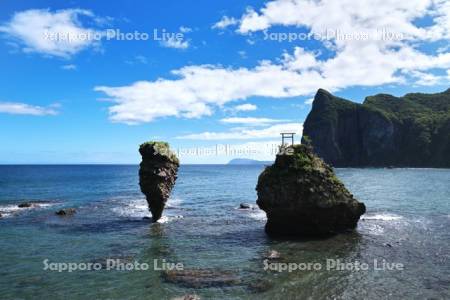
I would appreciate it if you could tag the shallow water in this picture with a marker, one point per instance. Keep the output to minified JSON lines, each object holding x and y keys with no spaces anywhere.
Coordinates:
{"x":407,"y":223}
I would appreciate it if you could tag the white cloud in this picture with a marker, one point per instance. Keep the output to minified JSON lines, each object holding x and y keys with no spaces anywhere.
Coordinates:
{"x":245,"y":107}
{"x":16,"y":108}
{"x":175,"y":43}
{"x":69,"y":67}
{"x":225,"y":22}
{"x":426,"y":79}
{"x":350,"y":65}
{"x":247,"y":133}
{"x":58,"y":33}
{"x":223,"y":153}
{"x":184,"y":29}
{"x":309,"y":101}
{"x":138,"y":59}
{"x":250,"y":121}
{"x":198,"y":89}
{"x":242,"y":54}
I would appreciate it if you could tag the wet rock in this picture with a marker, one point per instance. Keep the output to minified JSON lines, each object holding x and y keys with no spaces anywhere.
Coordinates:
{"x":260,"y":286}
{"x":244,"y":206}
{"x":25,"y":205}
{"x":187,"y":297}
{"x":1,"y":215}
{"x":66,"y":212}
{"x":157,"y":175}
{"x":302,"y":196}
{"x":201,"y":278}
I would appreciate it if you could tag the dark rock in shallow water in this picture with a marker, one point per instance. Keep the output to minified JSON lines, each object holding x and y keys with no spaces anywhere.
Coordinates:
{"x":25,"y":205}
{"x":244,"y":206}
{"x":157,"y":175}
{"x":302,"y":196}
{"x":66,"y":212}
{"x":260,"y":286}
{"x":199,"y":278}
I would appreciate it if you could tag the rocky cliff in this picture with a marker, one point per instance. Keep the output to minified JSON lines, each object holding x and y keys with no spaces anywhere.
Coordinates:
{"x":157,"y":175}
{"x":302,"y":196}
{"x":408,"y":131}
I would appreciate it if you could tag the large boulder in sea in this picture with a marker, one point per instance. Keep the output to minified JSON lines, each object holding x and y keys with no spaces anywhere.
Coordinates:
{"x":302,"y":196}
{"x":157,"y":175}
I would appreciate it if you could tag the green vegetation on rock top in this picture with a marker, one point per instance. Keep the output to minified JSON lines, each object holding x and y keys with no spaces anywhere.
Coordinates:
{"x":161,"y":148}
{"x":408,"y":131}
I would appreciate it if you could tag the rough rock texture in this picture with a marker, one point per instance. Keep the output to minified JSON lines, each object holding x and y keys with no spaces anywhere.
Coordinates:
{"x":201,"y":278}
{"x":410,"y":131}
{"x":157,"y":175}
{"x":302,"y":196}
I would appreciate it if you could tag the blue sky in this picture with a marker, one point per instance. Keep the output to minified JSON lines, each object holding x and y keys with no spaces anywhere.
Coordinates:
{"x":229,"y":80}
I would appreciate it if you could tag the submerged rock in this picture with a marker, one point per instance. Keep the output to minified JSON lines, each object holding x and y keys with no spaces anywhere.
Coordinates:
{"x":187,"y":297}
{"x":301,"y":196}
{"x":260,"y":286}
{"x":244,"y":206}
{"x":66,"y":212}
{"x":157,"y":175}
{"x":199,"y":278}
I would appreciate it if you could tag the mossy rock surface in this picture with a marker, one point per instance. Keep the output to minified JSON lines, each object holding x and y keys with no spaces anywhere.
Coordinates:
{"x":302,"y":196}
{"x":383,"y":131}
{"x":157,"y":175}
{"x":154,"y":149}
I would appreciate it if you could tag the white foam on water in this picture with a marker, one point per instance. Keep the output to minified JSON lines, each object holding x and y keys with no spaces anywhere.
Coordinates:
{"x":167,"y":219}
{"x":132,"y":208}
{"x":257,"y":214}
{"x":174,"y":201}
{"x":382,"y":217}
{"x":138,"y":208}
{"x":10,"y":209}
{"x":373,"y":229}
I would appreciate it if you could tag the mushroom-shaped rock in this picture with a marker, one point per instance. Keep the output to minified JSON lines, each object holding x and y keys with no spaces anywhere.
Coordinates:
{"x":302,"y":196}
{"x":157,"y":175}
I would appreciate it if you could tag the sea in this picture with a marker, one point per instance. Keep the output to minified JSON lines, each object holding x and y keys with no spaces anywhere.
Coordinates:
{"x":109,"y":250}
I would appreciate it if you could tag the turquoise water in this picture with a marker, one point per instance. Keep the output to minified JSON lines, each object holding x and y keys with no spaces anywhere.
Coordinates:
{"x":407,"y":222}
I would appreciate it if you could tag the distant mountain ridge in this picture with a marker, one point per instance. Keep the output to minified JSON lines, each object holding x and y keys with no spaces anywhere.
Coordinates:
{"x":408,"y":131}
{"x":246,"y":161}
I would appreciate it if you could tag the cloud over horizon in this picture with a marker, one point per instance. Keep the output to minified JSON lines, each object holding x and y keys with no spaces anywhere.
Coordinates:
{"x":246,"y":133}
{"x":198,"y":90}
